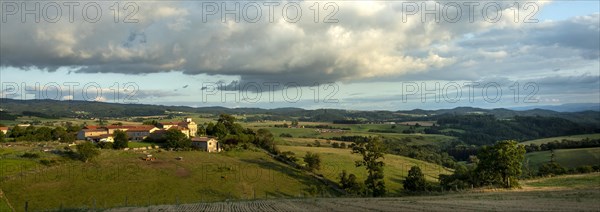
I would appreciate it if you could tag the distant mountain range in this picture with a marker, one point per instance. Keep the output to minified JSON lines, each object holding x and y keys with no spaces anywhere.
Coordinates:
{"x":573,"y":107}
{"x":86,"y":109}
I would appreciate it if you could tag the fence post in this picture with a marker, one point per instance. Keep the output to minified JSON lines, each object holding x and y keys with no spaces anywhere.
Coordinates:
{"x":26,"y":206}
{"x":125,"y":201}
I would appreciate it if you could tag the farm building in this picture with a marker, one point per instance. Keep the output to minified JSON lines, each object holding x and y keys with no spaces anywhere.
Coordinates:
{"x":4,"y":130}
{"x":207,"y":144}
{"x":139,"y":132}
{"x":101,"y":138}
{"x":187,"y":126}
{"x":85,"y":133}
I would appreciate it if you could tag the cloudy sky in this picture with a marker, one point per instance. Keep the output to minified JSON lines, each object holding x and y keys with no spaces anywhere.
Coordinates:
{"x":364,"y":55}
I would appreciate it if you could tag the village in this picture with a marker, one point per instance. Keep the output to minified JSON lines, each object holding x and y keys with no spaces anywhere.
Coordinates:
{"x":140,"y":133}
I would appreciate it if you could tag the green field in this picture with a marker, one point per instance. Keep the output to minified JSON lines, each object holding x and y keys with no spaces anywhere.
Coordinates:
{"x":567,"y":181}
{"x":307,"y":133}
{"x":569,"y":158}
{"x":559,"y":195}
{"x":572,"y":137}
{"x":396,"y":167}
{"x":119,"y":178}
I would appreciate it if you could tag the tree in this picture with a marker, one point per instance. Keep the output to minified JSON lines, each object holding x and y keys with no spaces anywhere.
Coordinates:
{"x":176,"y":139}
{"x":349,"y":184}
{"x":220,"y":130}
{"x":231,"y":127}
{"x":151,"y":122}
{"x":372,"y":150}
{"x":501,"y":163}
{"x":2,"y":137}
{"x":313,"y":161}
{"x":201,"y":130}
{"x":87,"y":151}
{"x":551,"y":168}
{"x":121,"y":140}
{"x":43,"y":134}
{"x":294,"y":123}
{"x":343,"y":145}
{"x":16,"y":132}
{"x":265,"y":140}
{"x":415,"y":181}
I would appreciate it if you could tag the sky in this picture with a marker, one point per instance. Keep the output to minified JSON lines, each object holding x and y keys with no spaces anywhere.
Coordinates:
{"x":355,"y":55}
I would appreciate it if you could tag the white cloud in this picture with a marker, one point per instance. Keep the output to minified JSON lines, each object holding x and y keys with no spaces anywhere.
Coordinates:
{"x":370,"y":42}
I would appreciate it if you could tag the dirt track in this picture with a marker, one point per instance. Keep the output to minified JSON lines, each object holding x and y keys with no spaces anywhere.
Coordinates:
{"x":542,"y":200}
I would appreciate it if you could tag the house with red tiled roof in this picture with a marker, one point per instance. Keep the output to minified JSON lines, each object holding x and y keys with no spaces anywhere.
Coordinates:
{"x":4,"y":130}
{"x":183,"y":130}
{"x":140,"y":133}
{"x":187,"y":123}
{"x":91,"y":127}
{"x":101,"y":138}
{"x":85,"y":133}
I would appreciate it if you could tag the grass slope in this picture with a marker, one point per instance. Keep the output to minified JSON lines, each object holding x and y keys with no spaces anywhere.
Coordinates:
{"x":566,"y":181}
{"x":569,"y":158}
{"x":526,"y":199}
{"x":572,"y":137}
{"x":333,"y":161}
{"x":119,"y":178}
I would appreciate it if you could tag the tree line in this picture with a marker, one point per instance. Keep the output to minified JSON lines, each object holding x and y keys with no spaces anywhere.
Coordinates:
{"x":487,"y":129}
{"x":563,"y":144}
{"x":63,"y":134}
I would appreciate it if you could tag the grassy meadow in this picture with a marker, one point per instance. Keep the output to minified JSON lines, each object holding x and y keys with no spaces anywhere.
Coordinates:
{"x":334,"y":160}
{"x":568,"y":158}
{"x":119,"y":178}
{"x":572,"y":137}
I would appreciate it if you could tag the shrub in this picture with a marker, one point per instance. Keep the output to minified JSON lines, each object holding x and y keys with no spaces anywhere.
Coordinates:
{"x":286,"y":135}
{"x":47,"y":162}
{"x":551,"y":168}
{"x":313,"y":161}
{"x":343,"y":145}
{"x":30,"y":155}
{"x":585,"y":169}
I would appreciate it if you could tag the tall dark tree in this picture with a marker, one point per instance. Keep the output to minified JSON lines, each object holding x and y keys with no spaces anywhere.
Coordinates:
{"x":372,"y":151}
{"x":501,"y":163}
{"x":415,"y":181}
{"x":349,"y":184}
{"x":2,"y":139}
{"x":265,"y":140}
{"x":313,"y":161}
{"x":121,"y":140}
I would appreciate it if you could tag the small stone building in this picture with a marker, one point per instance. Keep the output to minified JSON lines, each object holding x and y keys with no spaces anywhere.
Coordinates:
{"x":207,"y":144}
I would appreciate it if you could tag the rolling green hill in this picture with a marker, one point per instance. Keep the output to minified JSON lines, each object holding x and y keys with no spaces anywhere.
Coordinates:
{"x":54,"y":108}
{"x":560,"y":138}
{"x":118,"y":178}
{"x":334,"y":160}
{"x":569,"y":158}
